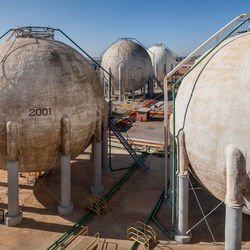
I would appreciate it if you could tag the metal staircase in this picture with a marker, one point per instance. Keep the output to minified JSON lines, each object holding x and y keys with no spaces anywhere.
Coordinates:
{"x":131,"y":151}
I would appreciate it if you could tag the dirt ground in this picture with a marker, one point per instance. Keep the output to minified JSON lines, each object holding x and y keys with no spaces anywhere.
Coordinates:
{"x":42,"y":225}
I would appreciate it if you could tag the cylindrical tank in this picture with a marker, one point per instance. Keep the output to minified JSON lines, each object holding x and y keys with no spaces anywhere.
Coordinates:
{"x":212,"y":108}
{"x":135,"y":63}
{"x":41,"y":81}
{"x":163,"y":60}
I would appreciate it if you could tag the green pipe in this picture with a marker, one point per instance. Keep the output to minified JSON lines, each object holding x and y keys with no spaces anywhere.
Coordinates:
{"x":133,"y":167}
{"x":71,"y":231}
{"x":173,"y":97}
{"x":86,"y":219}
{"x":155,"y":207}
{"x":150,"y":215}
{"x":117,"y":187}
{"x":162,"y":228}
{"x":89,"y":214}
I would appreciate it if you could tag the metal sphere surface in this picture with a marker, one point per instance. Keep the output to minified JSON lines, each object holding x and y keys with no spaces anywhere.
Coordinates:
{"x":212,"y":108}
{"x":163,"y":60}
{"x":41,"y":81}
{"x":134,"y":61}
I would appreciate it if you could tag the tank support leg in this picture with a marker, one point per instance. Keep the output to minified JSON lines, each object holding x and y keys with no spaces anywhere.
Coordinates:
{"x":92,"y":152}
{"x":103,"y":85}
{"x":105,"y":158}
{"x":170,"y":171}
{"x":97,"y":186}
{"x":120,"y":83}
{"x":144,"y":88}
{"x":133,"y":87}
{"x":65,"y":206}
{"x":14,"y":216}
{"x":236,"y":174}
{"x":151,"y":87}
{"x":181,"y":235}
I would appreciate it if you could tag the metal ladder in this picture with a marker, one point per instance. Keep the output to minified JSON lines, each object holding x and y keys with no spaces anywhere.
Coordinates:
{"x":131,"y":151}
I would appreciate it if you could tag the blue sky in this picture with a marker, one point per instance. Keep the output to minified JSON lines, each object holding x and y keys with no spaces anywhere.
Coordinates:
{"x":94,"y":24}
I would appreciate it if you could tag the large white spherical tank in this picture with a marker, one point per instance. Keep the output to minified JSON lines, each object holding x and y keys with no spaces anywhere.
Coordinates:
{"x":162,"y":59}
{"x":135,"y":63}
{"x":212,"y":108}
{"x":41,"y":81}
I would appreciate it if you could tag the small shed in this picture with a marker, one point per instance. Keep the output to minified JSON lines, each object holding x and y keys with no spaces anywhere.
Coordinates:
{"x":142,"y":114}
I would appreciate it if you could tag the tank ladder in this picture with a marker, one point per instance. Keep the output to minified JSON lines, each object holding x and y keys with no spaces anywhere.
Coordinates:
{"x":131,"y":151}
{"x":142,"y":233}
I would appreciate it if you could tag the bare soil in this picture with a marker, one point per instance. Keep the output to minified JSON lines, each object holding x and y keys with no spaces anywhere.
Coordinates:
{"x":42,"y":225}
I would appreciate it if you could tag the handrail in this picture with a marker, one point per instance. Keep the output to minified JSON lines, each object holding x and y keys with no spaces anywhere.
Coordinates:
{"x":205,"y":43}
{"x":144,"y":226}
{"x":97,"y":204}
{"x":6,"y":33}
{"x":85,"y":231}
{"x":63,"y":33}
{"x":96,"y":240}
{"x":173,"y":97}
{"x":139,"y":236}
{"x":90,"y":214}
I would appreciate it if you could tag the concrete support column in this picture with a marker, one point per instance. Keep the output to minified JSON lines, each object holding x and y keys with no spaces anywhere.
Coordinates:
{"x":170,"y":171}
{"x":236,"y":183}
{"x":181,"y":235}
{"x":92,"y":152}
{"x":182,"y":209}
{"x":144,"y":88}
{"x":105,"y":158}
{"x":109,"y":86}
{"x":97,"y":186}
{"x":65,"y":206}
{"x":14,"y":216}
{"x":133,"y":85}
{"x":233,"y":228}
{"x":102,"y":80}
{"x":156,"y":71}
{"x":103,"y":84}
{"x":166,"y":135}
{"x":150,"y":87}
{"x":120,"y":82}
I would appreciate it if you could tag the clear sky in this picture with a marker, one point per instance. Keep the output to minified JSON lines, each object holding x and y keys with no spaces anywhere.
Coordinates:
{"x":94,"y":24}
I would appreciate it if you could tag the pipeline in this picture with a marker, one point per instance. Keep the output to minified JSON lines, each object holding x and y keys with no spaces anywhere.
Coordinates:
{"x":152,"y":215}
{"x":90,"y":214}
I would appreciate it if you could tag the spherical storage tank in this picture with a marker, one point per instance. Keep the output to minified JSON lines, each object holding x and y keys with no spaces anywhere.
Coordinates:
{"x":163,"y":60}
{"x":135,"y":63}
{"x":212,"y":108}
{"x":41,"y":81}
